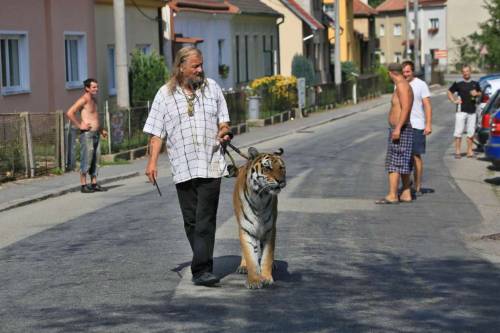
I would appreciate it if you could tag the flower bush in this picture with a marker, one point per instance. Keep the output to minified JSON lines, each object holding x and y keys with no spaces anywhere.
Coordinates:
{"x":278,"y":92}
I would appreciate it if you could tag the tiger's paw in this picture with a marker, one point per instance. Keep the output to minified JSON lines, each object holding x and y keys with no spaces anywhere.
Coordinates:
{"x":254,"y":284}
{"x":242,"y":270}
{"x":266,"y":282}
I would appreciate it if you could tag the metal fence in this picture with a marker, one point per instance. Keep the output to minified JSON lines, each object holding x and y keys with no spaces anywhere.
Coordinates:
{"x":31,"y":144}
{"x":34,"y":144}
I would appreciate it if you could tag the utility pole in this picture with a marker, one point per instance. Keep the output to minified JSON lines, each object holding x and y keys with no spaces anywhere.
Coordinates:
{"x":338,"y":77}
{"x":417,"y":38}
{"x":408,"y":29}
{"x":122,"y":93}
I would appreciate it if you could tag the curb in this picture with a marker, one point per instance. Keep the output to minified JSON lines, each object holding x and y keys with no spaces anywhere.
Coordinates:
{"x":60,"y":192}
{"x":72,"y":188}
{"x":319,"y":123}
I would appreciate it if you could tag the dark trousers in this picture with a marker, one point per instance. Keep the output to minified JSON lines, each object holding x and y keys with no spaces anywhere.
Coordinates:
{"x":199,"y":199}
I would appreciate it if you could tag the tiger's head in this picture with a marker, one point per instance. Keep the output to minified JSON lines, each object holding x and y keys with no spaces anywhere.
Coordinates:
{"x":267,"y":172}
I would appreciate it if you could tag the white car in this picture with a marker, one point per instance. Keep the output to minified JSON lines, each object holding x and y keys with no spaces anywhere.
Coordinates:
{"x":490,"y":87}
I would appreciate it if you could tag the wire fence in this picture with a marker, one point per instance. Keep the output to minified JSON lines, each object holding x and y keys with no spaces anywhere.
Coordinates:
{"x":12,"y":156}
{"x":35,"y":144}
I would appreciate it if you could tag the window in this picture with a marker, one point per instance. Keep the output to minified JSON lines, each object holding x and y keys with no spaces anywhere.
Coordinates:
{"x":220,"y":45}
{"x":75,"y":48}
{"x":111,"y":70}
{"x":329,"y":9}
{"x":14,"y":62}
{"x":382,"y":57}
{"x":398,"y":57}
{"x":397,"y":29}
{"x":246,"y":59}
{"x":144,"y":48}
{"x":238,"y":78}
{"x":382,"y":30}
{"x":434,"y":23}
{"x":268,"y":55}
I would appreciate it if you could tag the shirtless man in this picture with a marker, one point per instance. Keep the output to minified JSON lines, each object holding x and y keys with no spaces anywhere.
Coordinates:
{"x":89,"y":135}
{"x":398,"y":161}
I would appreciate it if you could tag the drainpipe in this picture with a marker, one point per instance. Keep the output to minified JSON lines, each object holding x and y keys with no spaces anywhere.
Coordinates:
{"x":278,"y":64}
{"x":338,"y":77}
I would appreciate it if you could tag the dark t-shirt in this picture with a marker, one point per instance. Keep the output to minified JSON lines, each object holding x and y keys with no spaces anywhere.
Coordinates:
{"x":463,"y":89}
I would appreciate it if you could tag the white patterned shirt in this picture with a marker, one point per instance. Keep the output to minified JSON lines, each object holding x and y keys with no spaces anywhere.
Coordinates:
{"x":192,"y":145}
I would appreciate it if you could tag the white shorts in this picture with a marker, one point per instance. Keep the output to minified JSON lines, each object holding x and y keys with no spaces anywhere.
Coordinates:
{"x":467,"y":121}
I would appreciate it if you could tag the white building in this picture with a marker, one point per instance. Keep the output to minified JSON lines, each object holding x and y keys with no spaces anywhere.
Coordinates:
{"x":238,"y":38}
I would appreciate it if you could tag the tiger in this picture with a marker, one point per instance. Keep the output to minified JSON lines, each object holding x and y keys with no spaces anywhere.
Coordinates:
{"x":255,"y":200}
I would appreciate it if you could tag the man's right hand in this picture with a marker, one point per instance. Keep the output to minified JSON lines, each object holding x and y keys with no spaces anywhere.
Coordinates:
{"x":151,"y":171}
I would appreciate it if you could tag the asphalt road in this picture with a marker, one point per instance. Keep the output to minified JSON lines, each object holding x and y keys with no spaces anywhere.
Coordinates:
{"x":118,"y":261}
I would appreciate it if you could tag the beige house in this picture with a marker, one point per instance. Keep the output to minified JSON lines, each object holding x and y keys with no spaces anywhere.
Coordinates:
{"x":303,"y":33}
{"x":290,"y":35}
{"x":390,"y":26}
{"x":460,"y":25}
{"x":364,"y":26}
{"x":144,"y":32}
{"x":47,"y":50}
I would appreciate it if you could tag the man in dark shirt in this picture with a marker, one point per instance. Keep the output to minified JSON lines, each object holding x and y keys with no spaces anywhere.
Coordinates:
{"x":464,"y":94}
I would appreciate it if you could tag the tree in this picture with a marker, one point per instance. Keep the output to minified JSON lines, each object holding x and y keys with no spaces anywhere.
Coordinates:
{"x":302,"y":67}
{"x":489,"y":35}
{"x":147,"y":74}
{"x":375,"y":3}
{"x":468,"y":53}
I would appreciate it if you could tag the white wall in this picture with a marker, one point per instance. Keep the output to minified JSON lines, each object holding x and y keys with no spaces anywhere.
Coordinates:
{"x":438,"y":40}
{"x":211,"y":28}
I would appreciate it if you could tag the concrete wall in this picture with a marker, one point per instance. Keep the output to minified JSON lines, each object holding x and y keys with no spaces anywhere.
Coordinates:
{"x":463,"y":18}
{"x":140,"y":31}
{"x":290,"y":35}
{"x":45,"y":23}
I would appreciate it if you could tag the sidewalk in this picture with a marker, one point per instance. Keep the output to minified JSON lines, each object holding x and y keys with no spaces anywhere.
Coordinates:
{"x":26,"y":191}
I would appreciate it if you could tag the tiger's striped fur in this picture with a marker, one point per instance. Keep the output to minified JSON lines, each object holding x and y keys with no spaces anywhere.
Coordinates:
{"x":255,"y":200}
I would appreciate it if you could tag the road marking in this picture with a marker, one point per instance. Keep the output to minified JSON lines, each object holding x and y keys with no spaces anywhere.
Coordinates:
{"x":228,"y":230}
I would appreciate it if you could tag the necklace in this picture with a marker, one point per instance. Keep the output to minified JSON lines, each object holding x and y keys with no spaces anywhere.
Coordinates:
{"x":190,"y":102}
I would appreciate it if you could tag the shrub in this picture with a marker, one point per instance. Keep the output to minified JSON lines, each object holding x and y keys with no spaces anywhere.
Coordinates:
{"x":385,"y":80}
{"x":302,"y":67}
{"x":347,"y":69}
{"x":147,"y":74}
{"x":278,"y":92}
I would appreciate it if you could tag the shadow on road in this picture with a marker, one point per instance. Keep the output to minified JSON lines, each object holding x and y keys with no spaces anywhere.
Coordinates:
{"x":493,"y":181}
{"x":383,"y":293}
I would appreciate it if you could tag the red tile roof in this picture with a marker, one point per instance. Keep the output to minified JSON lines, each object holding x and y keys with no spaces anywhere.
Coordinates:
{"x":391,"y":6}
{"x":398,"y":5}
{"x":223,"y":6}
{"x":210,"y":6}
{"x":362,"y":9}
{"x":304,"y":15}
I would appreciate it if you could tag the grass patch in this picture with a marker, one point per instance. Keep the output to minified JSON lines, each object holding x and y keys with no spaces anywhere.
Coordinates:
{"x":118,"y":161}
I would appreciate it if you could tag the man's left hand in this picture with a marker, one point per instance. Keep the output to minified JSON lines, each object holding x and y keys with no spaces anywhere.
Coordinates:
{"x":224,"y":136}
{"x":427,"y":130}
{"x":104,"y":133}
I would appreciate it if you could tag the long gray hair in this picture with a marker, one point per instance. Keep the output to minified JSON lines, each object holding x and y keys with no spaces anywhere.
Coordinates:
{"x":177,"y":77}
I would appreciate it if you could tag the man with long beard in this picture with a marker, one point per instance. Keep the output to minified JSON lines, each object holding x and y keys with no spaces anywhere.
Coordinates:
{"x":191,"y":113}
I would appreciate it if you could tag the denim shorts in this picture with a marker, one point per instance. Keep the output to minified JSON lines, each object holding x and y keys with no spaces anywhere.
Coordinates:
{"x":418,"y":142}
{"x":90,"y":152}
